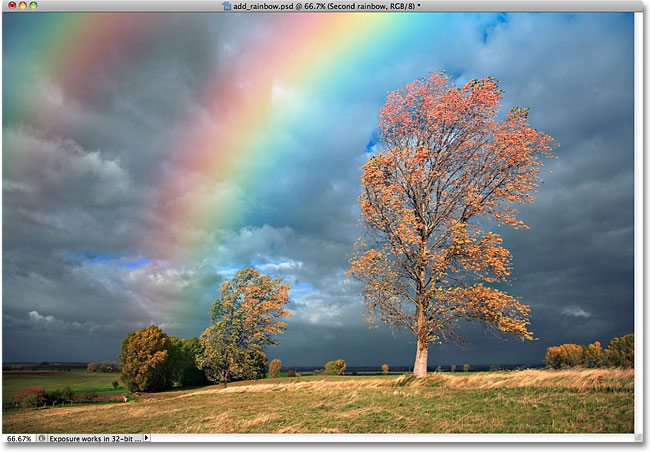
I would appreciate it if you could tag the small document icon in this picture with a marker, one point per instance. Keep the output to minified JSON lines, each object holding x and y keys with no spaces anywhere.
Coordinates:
{"x":226,"y":6}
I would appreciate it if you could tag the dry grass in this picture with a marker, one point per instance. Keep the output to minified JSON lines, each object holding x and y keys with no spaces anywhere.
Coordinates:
{"x":579,"y":379}
{"x":293,"y":385}
{"x":590,"y":401}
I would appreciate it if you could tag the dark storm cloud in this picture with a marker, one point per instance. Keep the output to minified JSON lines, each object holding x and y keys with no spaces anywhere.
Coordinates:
{"x":87,"y":184}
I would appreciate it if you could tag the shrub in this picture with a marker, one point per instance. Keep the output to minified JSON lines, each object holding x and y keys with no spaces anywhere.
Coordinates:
{"x":67,"y":395}
{"x":93,"y":367}
{"x":33,"y":400}
{"x":453,"y":367}
{"x":317,"y":372}
{"x":566,"y":355}
{"x":291,"y":373}
{"x":274,"y":368}
{"x":438,"y":369}
{"x":54,"y":397}
{"x":335,"y":367}
{"x":115,"y":384}
{"x":465,"y":367}
{"x":553,"y":357}
{"x":90,"y":397}
{"x":384,"y":369}
{"x":574,"y":355}
{"x":494,"y":368}
{"x":594,"y":355}
{"x":620,"y":352}
{"x":31,"y":397}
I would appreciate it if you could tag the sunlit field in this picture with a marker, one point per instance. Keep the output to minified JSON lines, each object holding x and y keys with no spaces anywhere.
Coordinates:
{"x":529,"y":401}
{"x":81,"y":382}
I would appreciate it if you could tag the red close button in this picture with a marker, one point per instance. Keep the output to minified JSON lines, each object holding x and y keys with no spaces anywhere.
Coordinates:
{"x":12,"y":5}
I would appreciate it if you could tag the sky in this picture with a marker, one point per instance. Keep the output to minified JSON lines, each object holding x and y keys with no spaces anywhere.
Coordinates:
{"x":148,"y":157}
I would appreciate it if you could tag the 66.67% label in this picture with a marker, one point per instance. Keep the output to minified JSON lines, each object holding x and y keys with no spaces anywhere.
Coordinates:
{"x":19,"y":438}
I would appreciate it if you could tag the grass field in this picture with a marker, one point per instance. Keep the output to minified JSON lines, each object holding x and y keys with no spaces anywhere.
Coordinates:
{"x":531,"y":401}
{"x":80,"y":381}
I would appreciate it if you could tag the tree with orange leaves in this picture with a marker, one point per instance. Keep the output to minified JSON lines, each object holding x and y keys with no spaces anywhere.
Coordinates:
{"x":447,"y":166}
{"x":245,"y":318}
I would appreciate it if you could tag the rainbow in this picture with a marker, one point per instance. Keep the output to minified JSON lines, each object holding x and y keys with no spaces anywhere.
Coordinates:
{"x":309,"y":52}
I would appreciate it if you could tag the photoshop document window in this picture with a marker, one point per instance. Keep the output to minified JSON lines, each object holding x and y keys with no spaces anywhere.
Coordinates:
{"x":347,"y":221}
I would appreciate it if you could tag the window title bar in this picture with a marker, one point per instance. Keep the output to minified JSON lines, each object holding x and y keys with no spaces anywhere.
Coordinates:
{"x":27,"y":7}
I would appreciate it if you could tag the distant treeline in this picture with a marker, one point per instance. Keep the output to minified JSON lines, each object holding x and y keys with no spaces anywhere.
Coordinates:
{"x":61,"y":366}
{"x":306,"y":370}
{"x":105,"y":366}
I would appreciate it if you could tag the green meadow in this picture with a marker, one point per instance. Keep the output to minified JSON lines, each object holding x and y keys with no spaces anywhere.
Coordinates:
{"x":81,"y":382}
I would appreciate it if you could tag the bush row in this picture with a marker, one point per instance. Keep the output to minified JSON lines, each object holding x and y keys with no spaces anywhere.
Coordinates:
{"x":105,"y":366}
{"x":619,"y":353}
{"x":466,"y":368}
{"x":37,"y":396}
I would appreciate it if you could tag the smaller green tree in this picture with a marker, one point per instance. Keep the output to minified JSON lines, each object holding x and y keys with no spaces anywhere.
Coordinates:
{"x":453,"y":367}
{"x":384,"y":369}
{"x":250,"y":309}
{"x":465,"y":367}
{"x":244,"y":320}
{"x":336,"y":367}
{"x":274,"y":368}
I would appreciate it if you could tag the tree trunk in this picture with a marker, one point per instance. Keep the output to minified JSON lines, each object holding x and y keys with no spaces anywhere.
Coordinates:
{"x":421,"y":359}
{"x":422,"y":354}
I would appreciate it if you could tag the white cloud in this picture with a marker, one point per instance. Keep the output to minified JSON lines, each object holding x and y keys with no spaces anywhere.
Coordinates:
{"x":576,"y":311}
{"x":280,"y":267}
{"x":37,"y":321}
{"x":62,"y":171}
